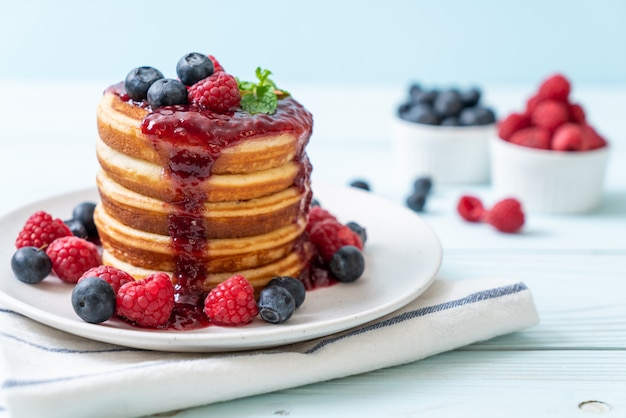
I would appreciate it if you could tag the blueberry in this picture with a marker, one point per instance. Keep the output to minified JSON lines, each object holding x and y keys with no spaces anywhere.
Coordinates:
{"x":293,"y":285}
{"x":194,"y":67}
{"x":360,"y":184}
{"x":139,"y":80}
{"x":83,"y":213}
{"x":470,"y":97}
{"x":276,"y":304}
{"x":167,"y":92}
{"x":77,"y":228}
{"x":347,"y":264}
{"x":451,"y":121}
{"x":415,"y":89}
{"x":31,"y":265}
{"x":93,"y":300}
{"x":421,"y":114}
{"x":448,"y":103}
{"x":423,"y":184}
{"x":426,"y":97}
{"x":359,"y":230}
{"x":416,"y":201}
{"x":315,"y":202}
{"x":473,"y":116}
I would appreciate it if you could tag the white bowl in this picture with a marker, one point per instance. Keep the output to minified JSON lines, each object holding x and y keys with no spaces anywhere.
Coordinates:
{"x":448,"y":154}
{"x":547,"y":181}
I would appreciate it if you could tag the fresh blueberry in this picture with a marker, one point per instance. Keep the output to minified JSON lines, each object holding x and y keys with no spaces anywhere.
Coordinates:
{"x":415,"y":89}
{"x":416,"y":201}
{"x":83,"y":213}
{"x":423,"y":184}
{"x":421,"y":114}
{"x":347,"y":264}
{"x":315,"y":202}
{"x":276,"y":304}
{"x":139,"y":80}
{"x":470,"y":97}
{"x":77,"y":228}
{"x":359,"y":230}
{"x":93,"y":300}
{"x":448,"y":103}
{"x":167,"y":92}
{"x":31,"y":265}
{"x":293,"y":285}
{"x":194,"y":67}
{"x":478,"y":115}
{"x":426,"y":97}
{"x":360,"y":184}
{"x":451,"y":121}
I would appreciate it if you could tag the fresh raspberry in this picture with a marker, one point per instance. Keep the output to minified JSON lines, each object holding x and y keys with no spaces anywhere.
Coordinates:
{"x":40,"y":230}
{"x":216,"y":65}
{"x":556,"y":87}
{"x":218,"y":92}
{"x":577,"y":113}
{"x":72,"y":256}
{"x":532,"y":103}
{"x":114,"y":276}
{"x":231,"y":302}
{"x":506,"y":216}
{"x":593,"y":138}
{"x":569,"y":137}
{"x":512,"y":123}
{"x":329,"y":235}
{"x":550,"y":114}
{"x":318,"y":214}
{"x":533,"y":137}
{"x":470,"y":208}
{"x":148,"y":302}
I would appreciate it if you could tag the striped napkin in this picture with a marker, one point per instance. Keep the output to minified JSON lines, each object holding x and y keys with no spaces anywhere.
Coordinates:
{"x":45,"y":372}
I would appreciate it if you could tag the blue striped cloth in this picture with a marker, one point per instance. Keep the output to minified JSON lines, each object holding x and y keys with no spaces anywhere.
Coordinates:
{"x":46,"y":372}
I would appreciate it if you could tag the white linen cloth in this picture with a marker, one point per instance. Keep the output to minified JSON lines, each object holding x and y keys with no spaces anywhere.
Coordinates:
{"x":46,"y":372}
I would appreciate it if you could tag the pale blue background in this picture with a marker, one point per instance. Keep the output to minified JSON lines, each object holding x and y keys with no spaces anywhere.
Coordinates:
{"x":327,"y":41}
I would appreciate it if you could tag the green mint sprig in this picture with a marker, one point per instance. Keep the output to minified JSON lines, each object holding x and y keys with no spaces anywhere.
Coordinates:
{"x":262,"y":96}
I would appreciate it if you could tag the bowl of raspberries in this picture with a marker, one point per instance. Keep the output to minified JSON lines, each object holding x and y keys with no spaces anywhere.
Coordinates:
{"x":444,"y":134}
{"x":548,"y":155}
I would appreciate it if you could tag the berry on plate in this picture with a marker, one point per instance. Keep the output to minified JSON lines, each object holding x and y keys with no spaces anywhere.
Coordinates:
{"x":276,"y":304}
{"x":40,"y":230}
{"x":293,"y":285}
{"x":148,"y":302}
{"x":112,"y":275}
{"x":328,"y":236}
{"x":231,"y":302}
{"x":347,"y":264}
{"x":93,"y":300}
{"x":31,"y":264}
{"x":72,"y":256}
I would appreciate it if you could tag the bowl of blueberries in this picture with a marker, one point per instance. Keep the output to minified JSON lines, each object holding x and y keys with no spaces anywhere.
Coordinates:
{"x":444,"y":134}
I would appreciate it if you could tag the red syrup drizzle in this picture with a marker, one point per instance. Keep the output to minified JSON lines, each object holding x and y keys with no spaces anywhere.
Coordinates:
{"x":190,"y":140}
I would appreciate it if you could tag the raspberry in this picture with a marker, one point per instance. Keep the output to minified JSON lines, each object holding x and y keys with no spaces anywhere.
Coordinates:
{"x":470,"y":208}
{"x":114,"y":276}
{"x":506,"y":216}
{"x":533,"y":137}
{"x":217,"y":67}
{"x":550,"y":114}
{"x":569,"y":137}
{"x":148,"y":302}
{"x":231,"y":302}
{"x":511,"y":124}
{"x":329,"y":235}
{"x":40,"y":230}
{"x":593,"y":138}
{"x":218,"y":92}
{"x":71,"y":257}
{"x":318,"y":214}
{"x":577,"y":113}
{"x":532,"y":103}
{"x":555,"y":87}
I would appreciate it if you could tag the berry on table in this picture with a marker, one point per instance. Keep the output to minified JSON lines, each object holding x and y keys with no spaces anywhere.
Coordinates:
{"x":231,"y":302}
{"x":416,"y":201}
{"x":361,"y":184}
{"x":218,"y":92}
{"x":471,"y":208}
{"x":93,"y":300}
{"x":112,"y":275}
{"x":148,"y":302}
{"x":293,"y":285}
{"x":72,"y":256}
{"x":423,"y":184}
{"x":276,"y":304}
{"x":194,"y":67}
{"x":167,"y":92}
{"x":506,"y":216}
{"x":347,"y":264}
{"x":31,"y":264}
{"x":40,"y":229}
{"x":139,"y":80}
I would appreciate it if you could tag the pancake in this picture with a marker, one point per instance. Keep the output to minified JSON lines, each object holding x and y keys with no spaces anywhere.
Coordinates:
{"x":203,"y":195}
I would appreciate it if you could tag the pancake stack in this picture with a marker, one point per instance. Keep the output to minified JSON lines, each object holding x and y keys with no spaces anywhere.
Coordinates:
{"x":203,"y":195}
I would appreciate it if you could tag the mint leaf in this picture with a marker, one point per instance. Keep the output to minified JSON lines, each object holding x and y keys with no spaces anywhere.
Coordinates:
{"x":260,"y":97}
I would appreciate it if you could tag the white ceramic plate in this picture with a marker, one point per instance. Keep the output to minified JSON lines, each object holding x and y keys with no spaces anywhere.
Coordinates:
{"x":402,"y":257}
